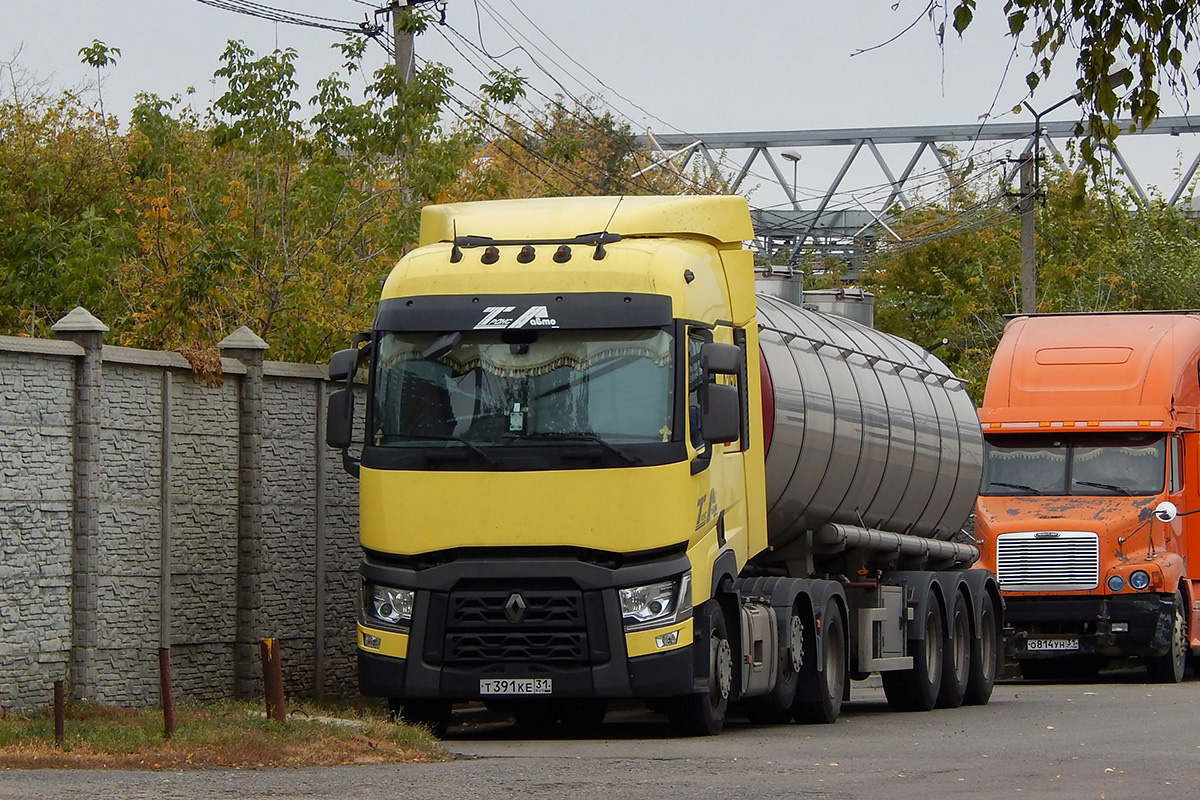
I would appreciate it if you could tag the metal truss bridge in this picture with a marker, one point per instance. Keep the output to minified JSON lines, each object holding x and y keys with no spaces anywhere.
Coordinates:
{"x":844,"y":223}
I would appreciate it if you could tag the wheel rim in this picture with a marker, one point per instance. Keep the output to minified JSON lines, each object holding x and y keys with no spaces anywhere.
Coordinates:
{"x":961,"y":645}
{"x":933,"y":646}
{"x":1179,"y":642}
{"x":796,"y":645}
{"x":833,"y":663}
{"x":987,"y":643}
{"x":722,"y":668}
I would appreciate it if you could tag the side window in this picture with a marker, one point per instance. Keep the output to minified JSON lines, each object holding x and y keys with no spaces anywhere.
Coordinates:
{"x":1176,"y":481}
{"x":695,"y":341}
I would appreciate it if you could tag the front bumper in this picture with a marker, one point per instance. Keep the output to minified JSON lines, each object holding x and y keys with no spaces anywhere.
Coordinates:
{"x":571,"y":633}
{"x":1109,"y":626}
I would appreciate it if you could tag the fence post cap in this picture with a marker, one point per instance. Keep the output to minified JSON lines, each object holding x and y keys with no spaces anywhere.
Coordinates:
{"x":79,"y":320}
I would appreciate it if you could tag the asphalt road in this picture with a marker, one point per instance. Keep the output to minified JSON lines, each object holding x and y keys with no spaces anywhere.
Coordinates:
{"x":1119,"y":739}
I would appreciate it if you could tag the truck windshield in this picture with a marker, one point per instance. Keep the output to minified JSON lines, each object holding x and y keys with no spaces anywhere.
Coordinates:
{"x":523,"y":387}
{"x":1101,"y":464}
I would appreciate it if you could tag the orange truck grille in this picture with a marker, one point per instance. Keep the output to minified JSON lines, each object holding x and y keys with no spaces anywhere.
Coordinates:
{"x":1048,"y":561}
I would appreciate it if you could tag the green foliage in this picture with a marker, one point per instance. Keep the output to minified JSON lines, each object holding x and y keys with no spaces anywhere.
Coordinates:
{"x":264,"y":211}
{"x":955,"y":279}
{"x":1156,"y":37}
{"x":99,"y":55}
{"x":189,"y":224}
{"x":62,"y":231}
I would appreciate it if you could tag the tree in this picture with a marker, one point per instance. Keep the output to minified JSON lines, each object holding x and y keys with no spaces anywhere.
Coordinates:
{"x":62,"y":229}
{"x":568,"y":148}
{"x":1155,"y":36}
{"x":954,"y":276}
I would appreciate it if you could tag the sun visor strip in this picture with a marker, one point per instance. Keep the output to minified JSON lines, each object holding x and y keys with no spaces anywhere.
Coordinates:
{"x":525,"y":311}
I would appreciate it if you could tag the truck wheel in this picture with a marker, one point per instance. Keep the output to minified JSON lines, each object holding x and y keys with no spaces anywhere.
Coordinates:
{"x":956,"y":656}
{"x":431,"y":714}
{"x":776,"y":706}
{"x":704,"y":714}
{"x":985,"y":654}
{"x":1169,"y":667}
{"x":917,"y":689}
{"x":819,"y":695}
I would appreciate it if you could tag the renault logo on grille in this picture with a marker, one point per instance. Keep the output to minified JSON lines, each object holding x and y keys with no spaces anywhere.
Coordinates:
{"x":514,"y":607}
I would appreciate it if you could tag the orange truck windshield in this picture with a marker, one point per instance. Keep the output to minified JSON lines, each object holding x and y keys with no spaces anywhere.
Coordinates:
{"x":1098,"y":464}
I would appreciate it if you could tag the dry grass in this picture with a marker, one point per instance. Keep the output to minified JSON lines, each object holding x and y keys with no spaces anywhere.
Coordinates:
{"x":227,"y":734}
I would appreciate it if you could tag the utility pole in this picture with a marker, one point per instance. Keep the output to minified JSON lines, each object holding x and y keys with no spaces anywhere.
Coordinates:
{"x":1025,"y":205}
{"x":406,"y":57}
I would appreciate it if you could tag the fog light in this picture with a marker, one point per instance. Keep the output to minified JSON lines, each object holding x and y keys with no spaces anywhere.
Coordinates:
{"x":370,"y":641}
{"x":1119,"y":627}
{"x":1139,"y":579}
{"x":667,"y":639}
{"x":1116,"y":583}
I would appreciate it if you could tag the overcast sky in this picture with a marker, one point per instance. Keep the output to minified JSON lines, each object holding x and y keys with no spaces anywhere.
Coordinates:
{"x":668,"y":65}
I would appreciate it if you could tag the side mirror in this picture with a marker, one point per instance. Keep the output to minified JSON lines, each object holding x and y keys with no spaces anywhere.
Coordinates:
{"x":720,"y":359}
{"x":720,"y":413}
{"x":342,"y":364}
{"x":1166,"y":511}
{"x":339,"y":417}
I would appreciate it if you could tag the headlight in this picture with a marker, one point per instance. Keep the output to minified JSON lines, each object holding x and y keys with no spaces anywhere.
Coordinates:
{"x":393,"y":606}
{"x":1116,"y":583}
{"x":656,"y":604}
{"x":1139,"y":579}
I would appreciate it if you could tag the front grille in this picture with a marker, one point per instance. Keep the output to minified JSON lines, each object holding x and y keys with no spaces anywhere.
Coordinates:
{"x":545,"y":607}
{"x":487,"y":625}
{"x":492,"y":648}
{"x":1048,"y":561}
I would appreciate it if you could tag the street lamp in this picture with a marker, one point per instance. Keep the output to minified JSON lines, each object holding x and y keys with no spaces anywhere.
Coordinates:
{"x":794,"y":157}
{"x":1031,"y":186}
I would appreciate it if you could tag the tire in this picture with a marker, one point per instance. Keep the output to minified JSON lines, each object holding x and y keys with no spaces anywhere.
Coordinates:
{"x":704,"y":714}
{"x":776,"y":706}
{"x":819,"y":695}
{"x":433,"y":715}
{"x":917,"y":689}
{"x":985,"y":655}
{"x":956,"y":655}
{"x":1169,"y":667}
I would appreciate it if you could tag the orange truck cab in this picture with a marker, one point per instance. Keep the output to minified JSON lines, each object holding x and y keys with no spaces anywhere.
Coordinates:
{"x":1091,"y":475}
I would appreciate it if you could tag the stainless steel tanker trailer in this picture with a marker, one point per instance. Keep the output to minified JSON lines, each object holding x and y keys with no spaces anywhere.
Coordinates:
{"x":598,"y":466}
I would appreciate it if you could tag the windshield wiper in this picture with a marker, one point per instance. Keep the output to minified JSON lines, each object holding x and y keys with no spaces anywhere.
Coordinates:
{"x":1020,"y":486}
{"x":479,"y":451}
{"x":590,"y":437}
{"x":1110,"y":486}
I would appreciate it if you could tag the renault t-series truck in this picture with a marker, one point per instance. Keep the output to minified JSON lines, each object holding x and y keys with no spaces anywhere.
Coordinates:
{"x":1091,"y":471}
{"x":596,"y":467}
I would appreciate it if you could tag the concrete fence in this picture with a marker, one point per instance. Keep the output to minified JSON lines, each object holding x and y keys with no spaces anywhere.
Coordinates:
{"x":142,"y":506}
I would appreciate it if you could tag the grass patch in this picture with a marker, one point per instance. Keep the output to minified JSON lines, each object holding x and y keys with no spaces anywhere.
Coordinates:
{"x":224,"y":734}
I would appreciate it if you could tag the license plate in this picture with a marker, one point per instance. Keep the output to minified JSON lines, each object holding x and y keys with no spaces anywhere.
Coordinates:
{"x":515,"y":686}
{"x":1035,"y":645}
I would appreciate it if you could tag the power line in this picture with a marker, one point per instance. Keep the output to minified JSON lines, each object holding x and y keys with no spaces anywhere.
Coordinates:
{"x":272,"y":14}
